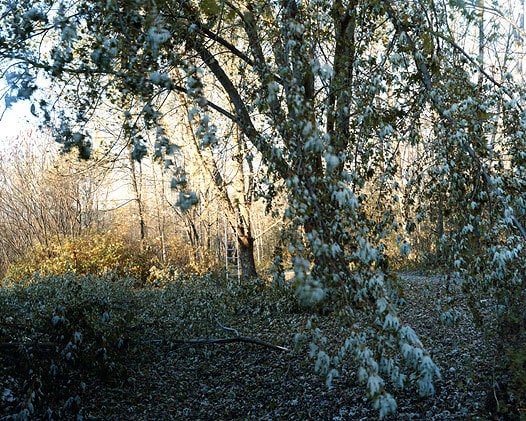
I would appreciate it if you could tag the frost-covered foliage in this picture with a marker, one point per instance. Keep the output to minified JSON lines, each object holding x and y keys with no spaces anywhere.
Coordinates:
{"x":373,"y":117}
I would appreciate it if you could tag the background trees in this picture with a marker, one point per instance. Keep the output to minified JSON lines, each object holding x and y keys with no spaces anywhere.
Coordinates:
{"x":334,"y":99}
{"x":44,"y":198}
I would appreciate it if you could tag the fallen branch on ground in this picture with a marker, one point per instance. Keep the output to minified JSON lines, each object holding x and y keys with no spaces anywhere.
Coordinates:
{"x":237,"y":338}
{"x":220,"y":341}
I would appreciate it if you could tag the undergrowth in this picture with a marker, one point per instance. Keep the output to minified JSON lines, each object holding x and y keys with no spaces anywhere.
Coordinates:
{"x":57,"y":332}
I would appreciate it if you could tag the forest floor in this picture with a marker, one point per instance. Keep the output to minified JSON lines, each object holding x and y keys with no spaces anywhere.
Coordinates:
{"x":166,"y":380}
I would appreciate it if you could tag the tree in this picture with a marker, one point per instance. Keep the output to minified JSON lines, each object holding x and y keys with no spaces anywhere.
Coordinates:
{"x":43,"y":197}
{"x":330,"y":90}
{"x":225,"y":161}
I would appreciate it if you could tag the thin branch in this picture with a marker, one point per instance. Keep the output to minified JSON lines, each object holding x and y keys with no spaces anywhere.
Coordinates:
{"x":212,"y":105}
{"x":477,"y":65}
{"x":221,"y":341}
{"x":226,"y":44}
{"x":497,"y":12}
{"x":228,"y":329}
{"x":15,"y":347}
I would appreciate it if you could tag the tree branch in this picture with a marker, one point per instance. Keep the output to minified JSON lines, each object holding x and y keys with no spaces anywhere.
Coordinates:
{"x":477,"y":65}
{"x":425,"y":75}
{"x":228,"y":329}
{"x":216,"y":107}
{"x":225,"y":43}
{"x":243,"y":119}
{"x":221,"y":341}
{"x":14,"y":348}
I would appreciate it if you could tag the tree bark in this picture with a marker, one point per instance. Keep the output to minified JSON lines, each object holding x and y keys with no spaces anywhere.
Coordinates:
{"x":247,"y":262}
{"x":439,"y":230}
{"x":137,"y":197}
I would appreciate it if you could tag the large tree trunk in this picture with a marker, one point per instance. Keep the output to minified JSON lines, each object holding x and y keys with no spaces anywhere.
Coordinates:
{"x":247,"y":262}
{"x":237,"y":204}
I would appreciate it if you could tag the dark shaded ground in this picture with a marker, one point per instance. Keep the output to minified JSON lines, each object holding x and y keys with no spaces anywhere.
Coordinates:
{"x":241,"y":381}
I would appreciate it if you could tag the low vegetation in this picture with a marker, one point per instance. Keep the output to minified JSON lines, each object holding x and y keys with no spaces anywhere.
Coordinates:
{"x":102,"y":348}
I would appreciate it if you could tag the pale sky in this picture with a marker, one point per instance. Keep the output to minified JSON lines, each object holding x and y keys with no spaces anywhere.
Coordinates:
{"x":15,"y":120}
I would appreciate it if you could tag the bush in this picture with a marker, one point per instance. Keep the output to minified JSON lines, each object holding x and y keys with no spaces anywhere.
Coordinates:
{"x":55,"y":332}
{"x":94,"y":254}
{"x":513,"y":339}
{"x":59,"y":333}
{"x":196,"y":260}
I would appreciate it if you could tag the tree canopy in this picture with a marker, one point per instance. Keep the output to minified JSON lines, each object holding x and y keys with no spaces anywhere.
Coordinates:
{"x":374,"y":116}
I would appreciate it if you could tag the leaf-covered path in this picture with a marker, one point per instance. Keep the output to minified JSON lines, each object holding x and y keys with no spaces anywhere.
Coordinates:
{"x":243,"y":381}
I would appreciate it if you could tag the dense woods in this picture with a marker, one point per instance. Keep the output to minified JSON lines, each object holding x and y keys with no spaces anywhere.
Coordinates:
{"x":214,"y":164}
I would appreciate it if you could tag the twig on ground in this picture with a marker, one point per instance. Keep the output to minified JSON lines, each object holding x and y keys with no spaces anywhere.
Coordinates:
{"x":228,"y":329}
{"x":208,"y":341}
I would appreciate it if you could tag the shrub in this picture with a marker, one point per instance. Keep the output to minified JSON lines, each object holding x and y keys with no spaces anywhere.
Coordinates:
{"x":93,"y":254}
{"x":57,"y":331}
{"x":191,"y":259}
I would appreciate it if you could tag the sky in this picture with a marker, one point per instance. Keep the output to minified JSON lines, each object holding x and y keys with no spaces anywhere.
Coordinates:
{"x":15,"y":120}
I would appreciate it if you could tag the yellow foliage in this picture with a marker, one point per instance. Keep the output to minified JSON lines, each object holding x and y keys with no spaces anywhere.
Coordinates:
{"x":93,"y":254}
